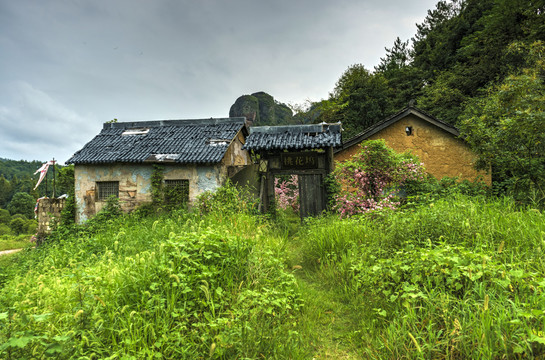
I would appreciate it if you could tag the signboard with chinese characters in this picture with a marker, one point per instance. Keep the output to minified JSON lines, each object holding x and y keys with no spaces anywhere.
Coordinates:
{"x":295,"y":161}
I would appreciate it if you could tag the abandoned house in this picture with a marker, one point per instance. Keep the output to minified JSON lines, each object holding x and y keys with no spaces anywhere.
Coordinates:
{"x":195,"y":156}
{"x":302,"y":150}
{"x":436,"y":143}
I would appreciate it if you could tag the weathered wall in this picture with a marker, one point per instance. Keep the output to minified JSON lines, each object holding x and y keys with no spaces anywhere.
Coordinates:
{"x":441,"y":152}
{"x":135,"y":184}
{"x":135,"y":180}
{"x":49,"y":213}
{"x":248,"y":177}
{"x":235,"y":158}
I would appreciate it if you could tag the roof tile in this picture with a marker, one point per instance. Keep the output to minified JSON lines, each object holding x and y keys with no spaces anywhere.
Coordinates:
{"x":188,"y":139}
{"x":293,"y":137}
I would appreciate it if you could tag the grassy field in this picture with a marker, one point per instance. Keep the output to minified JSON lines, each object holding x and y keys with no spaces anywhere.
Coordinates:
{"x":458,"y":278}
{"x":9,"y":242}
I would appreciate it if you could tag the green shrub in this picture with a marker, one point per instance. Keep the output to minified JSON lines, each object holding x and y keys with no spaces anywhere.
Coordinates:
{"x":5,"y":216}
{"x":4,"y":229}
{"x":227,"y":199}
{"x":107,"y":214}
{"x":431,"y":189}
{"x":17,"y":226}
{"x":31,"y":226}
{"x":19,"y":216}
{"x":68,"y":212}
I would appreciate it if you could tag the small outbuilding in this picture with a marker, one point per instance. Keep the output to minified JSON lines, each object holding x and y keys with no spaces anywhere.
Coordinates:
{"x":195,"y":155}
{"x":437,"y":144}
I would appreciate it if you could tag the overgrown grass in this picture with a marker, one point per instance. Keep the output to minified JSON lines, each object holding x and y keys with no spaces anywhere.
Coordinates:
{"x":459,"y":278}
{"x":180,"y":286}
{"x":9,"y":242}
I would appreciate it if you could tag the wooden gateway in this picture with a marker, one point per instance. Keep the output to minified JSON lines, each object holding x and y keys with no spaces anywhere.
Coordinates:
{"x":302,"y":150}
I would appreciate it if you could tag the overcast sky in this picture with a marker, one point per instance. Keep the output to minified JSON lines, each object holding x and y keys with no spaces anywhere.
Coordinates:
{"x":67,"y":66}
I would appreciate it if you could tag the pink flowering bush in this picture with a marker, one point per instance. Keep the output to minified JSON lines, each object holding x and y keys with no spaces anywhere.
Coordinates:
{"x":287,"y":193}
{"x":371,"y":178}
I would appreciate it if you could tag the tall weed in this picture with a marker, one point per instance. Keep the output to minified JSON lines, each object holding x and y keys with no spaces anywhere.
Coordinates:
{"x":179,"y":285}
{"x":456,"y":278}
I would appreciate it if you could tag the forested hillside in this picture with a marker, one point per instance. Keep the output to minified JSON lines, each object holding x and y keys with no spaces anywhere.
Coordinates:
{"x":11,"y":168}
{"x":459,"y":51}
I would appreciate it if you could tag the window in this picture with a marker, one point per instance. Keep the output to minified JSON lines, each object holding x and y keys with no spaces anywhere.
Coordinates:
{"x":177,"y":191}
{"x":105,"y":189}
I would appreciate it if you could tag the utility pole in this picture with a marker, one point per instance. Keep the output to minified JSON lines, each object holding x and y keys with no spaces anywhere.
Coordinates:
{"x":53,"y":164}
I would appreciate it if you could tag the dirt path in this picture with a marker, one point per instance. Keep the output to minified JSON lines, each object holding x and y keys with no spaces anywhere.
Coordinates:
{"x":327,"y":321}
{"x":5,"y":252}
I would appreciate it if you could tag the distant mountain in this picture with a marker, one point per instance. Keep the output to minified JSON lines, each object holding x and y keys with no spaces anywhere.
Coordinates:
{"x":261,"y":109}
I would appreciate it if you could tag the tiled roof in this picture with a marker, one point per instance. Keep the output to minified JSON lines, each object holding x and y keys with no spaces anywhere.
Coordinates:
{"x":293,"y":137}
{"x":181,"y":141}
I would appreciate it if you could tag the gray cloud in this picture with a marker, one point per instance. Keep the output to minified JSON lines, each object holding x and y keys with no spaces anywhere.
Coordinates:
{"x":68,"y":66}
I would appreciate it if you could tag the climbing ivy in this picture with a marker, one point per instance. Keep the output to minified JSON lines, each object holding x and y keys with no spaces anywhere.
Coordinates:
{"x":157,"y":194}
{"x":166,"y":197}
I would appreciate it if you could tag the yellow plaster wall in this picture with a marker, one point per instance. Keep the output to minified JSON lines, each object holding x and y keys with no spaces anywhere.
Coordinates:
{"x":235,"y":156}
{"x":441,"y":152}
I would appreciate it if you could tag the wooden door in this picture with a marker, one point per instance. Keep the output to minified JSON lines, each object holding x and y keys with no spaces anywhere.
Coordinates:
{"x":311,"y":195}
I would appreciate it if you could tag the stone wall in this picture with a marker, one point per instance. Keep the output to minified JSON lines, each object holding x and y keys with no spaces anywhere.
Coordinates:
{"x":49,"y":213}
{"x":441,"y":152}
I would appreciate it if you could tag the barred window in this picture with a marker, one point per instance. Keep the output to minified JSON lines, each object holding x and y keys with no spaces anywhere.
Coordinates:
{"x":177,"y":191}
{"x":105,"y":189}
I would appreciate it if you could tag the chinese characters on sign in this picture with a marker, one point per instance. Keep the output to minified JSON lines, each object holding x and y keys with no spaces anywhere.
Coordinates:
{"x":299,"y":161}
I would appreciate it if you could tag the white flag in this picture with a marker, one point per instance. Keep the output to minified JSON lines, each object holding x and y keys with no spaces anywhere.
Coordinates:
{"x":43,"y":171}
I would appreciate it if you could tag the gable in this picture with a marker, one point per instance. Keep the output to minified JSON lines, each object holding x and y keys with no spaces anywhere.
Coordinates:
{"x":436,"y":143}
{"x":411,"y":112}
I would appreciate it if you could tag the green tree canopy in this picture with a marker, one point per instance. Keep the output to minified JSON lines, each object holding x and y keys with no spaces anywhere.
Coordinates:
{"x":18,"y":226}
{"x":404,"y":81}
{"x":22,"y":203}
{"x":506,"y":128}
{"x":361,"y":98}
{"x":5,"y":216}
{"x":65,"y":180}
